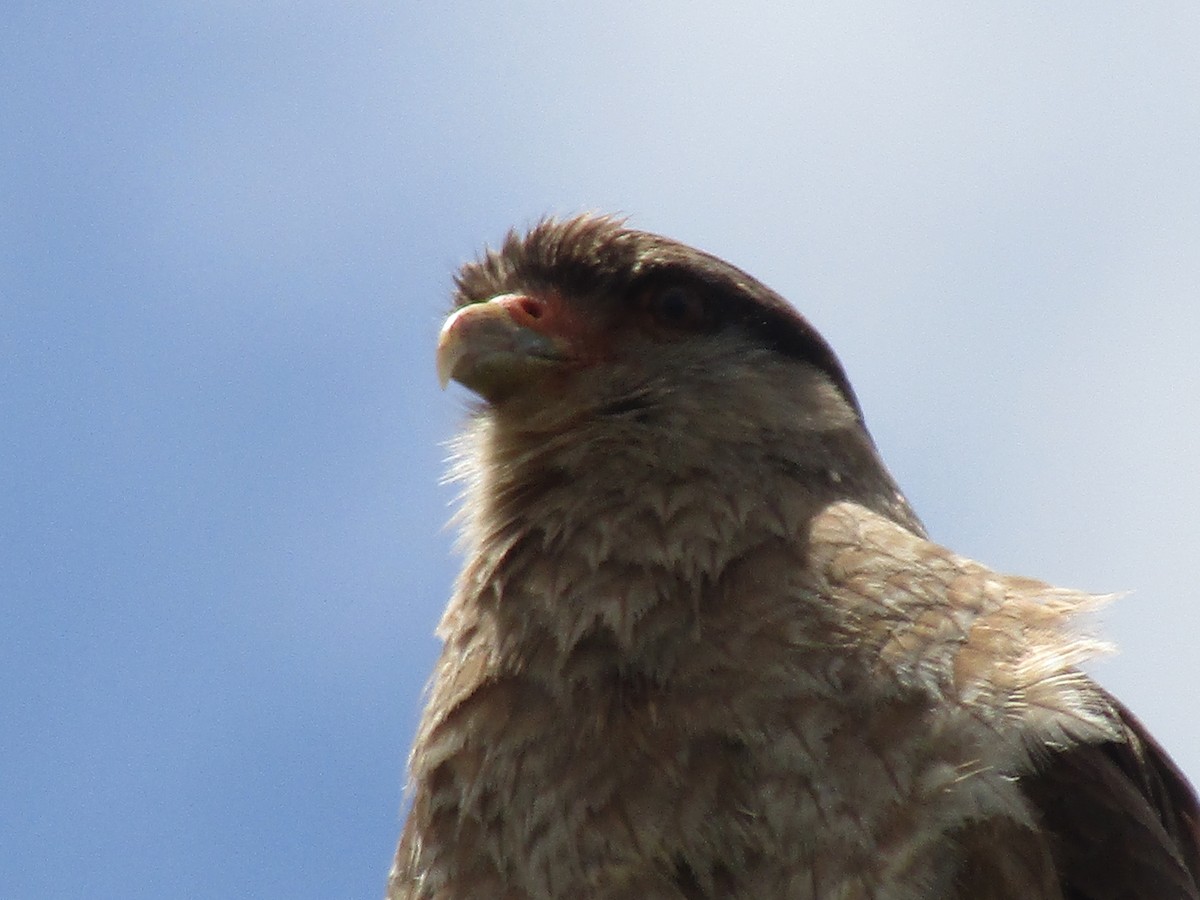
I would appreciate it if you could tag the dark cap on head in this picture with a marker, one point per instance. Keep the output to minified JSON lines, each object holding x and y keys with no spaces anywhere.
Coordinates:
{"x":589,"y":255}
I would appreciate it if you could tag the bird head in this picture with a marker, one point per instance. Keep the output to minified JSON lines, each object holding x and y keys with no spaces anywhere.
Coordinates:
{"x":619,"y":343}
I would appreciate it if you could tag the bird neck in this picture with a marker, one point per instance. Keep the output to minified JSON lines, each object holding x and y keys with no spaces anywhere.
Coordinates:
{"x":591,"y":560}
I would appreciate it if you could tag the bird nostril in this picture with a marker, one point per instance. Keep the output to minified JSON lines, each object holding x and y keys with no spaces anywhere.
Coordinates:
{"x":523,"y":308}
{"x":530,"y":307}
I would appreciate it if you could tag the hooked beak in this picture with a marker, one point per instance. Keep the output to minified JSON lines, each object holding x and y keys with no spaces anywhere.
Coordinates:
{"x":494,"y":347}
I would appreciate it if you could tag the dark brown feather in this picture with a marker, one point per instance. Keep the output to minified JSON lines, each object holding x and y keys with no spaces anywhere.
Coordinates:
{"x":1124,"y":820}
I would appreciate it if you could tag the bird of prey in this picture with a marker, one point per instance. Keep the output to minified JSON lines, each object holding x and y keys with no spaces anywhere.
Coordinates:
{"x":702,"y":647}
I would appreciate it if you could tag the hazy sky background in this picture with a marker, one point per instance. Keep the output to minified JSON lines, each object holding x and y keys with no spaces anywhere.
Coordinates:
{"x":227,"y":232}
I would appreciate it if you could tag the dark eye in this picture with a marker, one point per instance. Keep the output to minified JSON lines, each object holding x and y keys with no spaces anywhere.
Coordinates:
{"x":679,"y":307}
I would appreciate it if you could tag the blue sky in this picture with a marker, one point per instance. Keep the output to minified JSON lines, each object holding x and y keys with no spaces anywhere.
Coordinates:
{"x":227,"y":232}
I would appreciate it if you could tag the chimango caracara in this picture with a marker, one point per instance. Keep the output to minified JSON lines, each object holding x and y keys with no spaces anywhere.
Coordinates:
{"x":701,"y":646}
